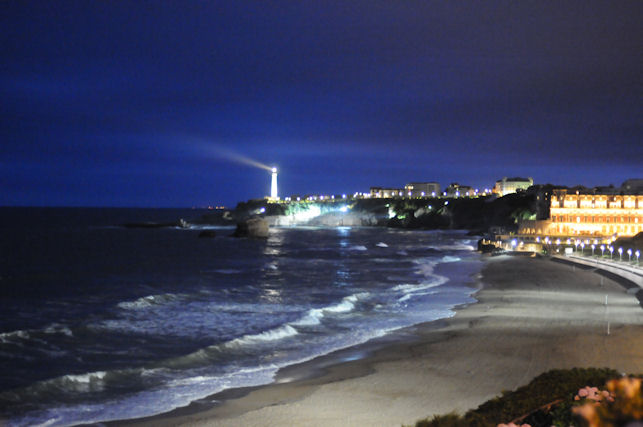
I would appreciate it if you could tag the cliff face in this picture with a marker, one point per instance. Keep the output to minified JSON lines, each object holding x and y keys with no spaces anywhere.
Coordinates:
{"x":477,"y":214}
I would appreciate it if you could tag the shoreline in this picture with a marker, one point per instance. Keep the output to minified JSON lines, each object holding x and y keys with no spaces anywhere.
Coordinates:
{"x":315,"y":371}
{"x":531,"y":315}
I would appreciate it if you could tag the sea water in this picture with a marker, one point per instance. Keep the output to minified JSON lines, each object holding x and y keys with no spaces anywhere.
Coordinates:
{"x":101,"y":322}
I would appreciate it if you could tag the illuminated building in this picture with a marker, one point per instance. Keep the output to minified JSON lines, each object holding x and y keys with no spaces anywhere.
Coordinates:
{"x":506,"y":185}
{"x":457,"y":190}
{"x":589,"y":215}
{"x":274,"y":195}
{"x":422,"y":189}
{"x":386,"y":193}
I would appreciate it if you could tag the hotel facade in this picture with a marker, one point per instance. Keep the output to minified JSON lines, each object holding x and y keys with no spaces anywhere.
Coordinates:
{"x":589,"y":216}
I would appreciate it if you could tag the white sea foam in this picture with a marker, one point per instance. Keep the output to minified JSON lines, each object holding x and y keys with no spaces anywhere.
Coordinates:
{"x":452,"y":247}
{"x":148,"y":301}
{"x":381,"y":245}
{"x":78,"y":383}
{"x":413,"y":288}
{"x":357,"y":248}
{"x":314,"y":316}
{"x":85,"y":378}
{"x":18,"y":335}
{"x":56,"y":328}
{"x":175,"y":394}
{"x":6,"y":337}
{"x":347,"y":304}
{"x":270,"y":335}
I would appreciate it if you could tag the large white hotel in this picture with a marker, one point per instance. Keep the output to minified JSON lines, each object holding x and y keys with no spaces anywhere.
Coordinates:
{"x":602,"y":216}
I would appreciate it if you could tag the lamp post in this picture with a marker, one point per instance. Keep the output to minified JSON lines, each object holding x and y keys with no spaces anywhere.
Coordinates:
{"x":582,"y":248}
{"x":593,"y":246}
{"x":611,"y":248}
{"x":602,"y":250}
{"x":575,"y":245}
{"x":629,"y":254}
{"x":514,"y":242}
{"x":620,"y":254}
{"x":638,"y":254}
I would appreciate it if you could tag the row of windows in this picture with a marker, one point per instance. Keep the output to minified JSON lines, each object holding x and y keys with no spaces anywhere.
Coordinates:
{"x":622,"y":219}
{"x":597,"y":205}
{"x":604,"y":231}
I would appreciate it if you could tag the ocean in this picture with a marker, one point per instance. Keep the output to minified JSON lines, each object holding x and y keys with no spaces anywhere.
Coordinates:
{"x":101,"y":322}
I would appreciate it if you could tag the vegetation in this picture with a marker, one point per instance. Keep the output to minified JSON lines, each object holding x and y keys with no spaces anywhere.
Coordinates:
{"x":478,"y":214}
{"x":545,"y":401}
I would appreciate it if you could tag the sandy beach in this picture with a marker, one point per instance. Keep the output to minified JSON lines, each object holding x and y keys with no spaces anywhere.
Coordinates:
{"x":532,"y":315}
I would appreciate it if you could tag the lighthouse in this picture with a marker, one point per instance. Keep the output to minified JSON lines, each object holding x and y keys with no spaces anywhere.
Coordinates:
{"x":273,"y":185}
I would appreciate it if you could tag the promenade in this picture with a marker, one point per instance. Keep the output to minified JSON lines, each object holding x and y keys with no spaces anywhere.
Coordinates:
{"x":627,"y":270}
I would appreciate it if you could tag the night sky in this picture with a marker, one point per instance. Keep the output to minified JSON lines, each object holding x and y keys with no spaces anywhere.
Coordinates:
{"x":148,"y":103}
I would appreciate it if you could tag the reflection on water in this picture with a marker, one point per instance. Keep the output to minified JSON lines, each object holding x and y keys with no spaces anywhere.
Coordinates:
{"x":273,"y":279}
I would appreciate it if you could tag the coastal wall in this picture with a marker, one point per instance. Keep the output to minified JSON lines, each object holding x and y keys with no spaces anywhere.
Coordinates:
{"x":634,"y":275}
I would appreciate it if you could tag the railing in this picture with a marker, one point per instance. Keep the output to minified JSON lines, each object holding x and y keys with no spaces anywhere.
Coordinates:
{"x":629,"y":272}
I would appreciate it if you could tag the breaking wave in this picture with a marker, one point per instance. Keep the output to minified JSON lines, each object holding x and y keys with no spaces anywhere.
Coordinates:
{"x":314,"y":316}
{"x":148,"y":301}
{"x":18,"y":335}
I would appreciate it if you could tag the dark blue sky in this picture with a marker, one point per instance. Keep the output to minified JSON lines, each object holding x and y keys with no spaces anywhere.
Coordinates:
{"x":140,"y":103}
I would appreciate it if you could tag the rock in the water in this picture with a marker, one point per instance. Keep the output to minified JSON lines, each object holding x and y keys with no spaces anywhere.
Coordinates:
{"x":208,"y":233}
{"x":254,"y":227}
{"x":486,"y":248}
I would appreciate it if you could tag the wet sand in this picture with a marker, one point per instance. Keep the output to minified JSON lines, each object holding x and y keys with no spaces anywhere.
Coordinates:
{"x":532,"y":315}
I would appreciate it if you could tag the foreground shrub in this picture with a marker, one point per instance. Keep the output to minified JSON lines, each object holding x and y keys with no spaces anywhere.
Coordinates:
{"x":553,"y":389}
{"x":449,"y":420}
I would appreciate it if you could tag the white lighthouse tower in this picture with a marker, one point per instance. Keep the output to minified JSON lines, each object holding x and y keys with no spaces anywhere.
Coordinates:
{"x":273,"y":185}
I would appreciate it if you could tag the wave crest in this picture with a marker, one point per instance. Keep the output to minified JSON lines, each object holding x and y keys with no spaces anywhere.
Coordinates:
{"x":269,"y":335}
{"x":148,"y":301}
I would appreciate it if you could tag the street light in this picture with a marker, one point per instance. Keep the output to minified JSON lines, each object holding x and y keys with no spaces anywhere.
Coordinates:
{"x":514,"y":242}
{"x":593,"y":246}
{"x":611,"y":248}
{"x":620,"y":254}
{"x":602,"y":250}
{"x":582,"y":248}
{"x":575,"y":245}
{"x":638,"y":254}
{"x":629,"y":254}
